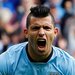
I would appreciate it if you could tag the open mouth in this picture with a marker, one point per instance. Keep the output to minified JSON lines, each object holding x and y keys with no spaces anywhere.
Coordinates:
{"x":41,"y":43}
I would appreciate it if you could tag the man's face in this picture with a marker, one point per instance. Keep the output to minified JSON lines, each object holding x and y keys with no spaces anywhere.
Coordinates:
{"x":41,"y":33}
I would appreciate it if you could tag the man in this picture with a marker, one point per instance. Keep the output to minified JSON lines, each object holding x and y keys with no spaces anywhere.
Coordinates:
{"x":37,"y":56}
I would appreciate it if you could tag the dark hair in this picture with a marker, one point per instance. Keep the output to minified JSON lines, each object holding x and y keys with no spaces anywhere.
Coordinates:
{"x":39,"y":11}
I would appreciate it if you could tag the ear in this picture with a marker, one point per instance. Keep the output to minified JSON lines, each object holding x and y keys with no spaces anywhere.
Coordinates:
{"x":26,"y":33}
{"x":56,"y":31}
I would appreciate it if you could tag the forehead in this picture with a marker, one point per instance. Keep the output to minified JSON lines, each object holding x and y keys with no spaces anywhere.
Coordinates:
{"x":44,"y":20}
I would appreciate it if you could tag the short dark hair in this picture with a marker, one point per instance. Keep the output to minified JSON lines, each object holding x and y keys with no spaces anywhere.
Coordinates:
{"x":39,"y":11}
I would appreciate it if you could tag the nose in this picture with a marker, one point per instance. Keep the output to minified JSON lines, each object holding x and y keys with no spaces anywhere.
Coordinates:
{"x":41,"y":32}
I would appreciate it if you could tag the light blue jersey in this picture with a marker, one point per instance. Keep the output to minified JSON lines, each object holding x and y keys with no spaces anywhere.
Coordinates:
{"x":15,"y":62}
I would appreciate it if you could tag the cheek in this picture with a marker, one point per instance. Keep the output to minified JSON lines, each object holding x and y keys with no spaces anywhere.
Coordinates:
{"x":32,"y":40}
{"x":32,"y":36}
{"x":50,"y":37}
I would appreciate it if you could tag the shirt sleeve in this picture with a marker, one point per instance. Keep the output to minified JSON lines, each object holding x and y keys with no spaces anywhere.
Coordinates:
{"x":71,"y":67}
{"x":3,"y":64}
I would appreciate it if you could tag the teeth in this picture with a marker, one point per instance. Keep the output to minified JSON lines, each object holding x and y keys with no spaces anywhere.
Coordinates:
{"x":41,"y":40}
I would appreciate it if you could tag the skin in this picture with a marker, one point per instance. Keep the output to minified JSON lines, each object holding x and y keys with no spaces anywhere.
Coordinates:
{"x":40,"y":28}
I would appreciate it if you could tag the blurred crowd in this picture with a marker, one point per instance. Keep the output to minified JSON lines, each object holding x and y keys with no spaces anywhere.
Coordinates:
{"x":13,"y":15}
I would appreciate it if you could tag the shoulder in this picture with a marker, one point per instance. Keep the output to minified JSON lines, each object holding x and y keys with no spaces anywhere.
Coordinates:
{"x":64,"y":61}
{"x":16,"y":47}
{"x":61,"y":53}
{"x":9,"y":57}
{"x":13,"y":50}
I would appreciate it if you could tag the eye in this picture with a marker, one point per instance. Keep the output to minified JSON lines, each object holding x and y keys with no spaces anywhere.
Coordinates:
{"x":35,"y":28}
{"x":47,"y":28}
